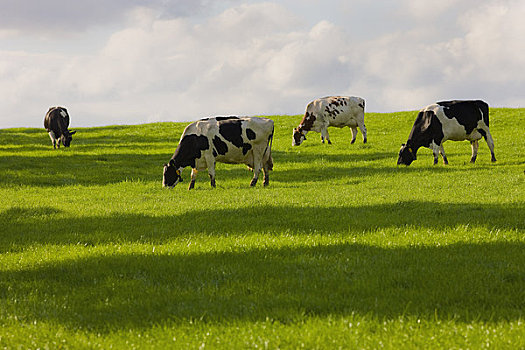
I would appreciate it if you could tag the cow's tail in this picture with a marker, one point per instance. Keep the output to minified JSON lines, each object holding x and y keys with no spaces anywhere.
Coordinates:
{"x":269,"y":162}
{"x":484,"y":108}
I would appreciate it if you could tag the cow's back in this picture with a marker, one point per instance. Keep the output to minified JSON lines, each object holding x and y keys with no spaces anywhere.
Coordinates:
{"x":338,"y":111}
{"x":56,"y":121}
{"x":258,"y":129}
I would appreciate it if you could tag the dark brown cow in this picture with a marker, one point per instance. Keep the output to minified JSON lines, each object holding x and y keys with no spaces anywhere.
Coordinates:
{"x":56,"y":123}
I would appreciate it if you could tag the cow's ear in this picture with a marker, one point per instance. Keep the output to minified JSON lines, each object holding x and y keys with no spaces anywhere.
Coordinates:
{"x":403,"y":145}
{"x":73,"y":132}
{"x":165,"y":165}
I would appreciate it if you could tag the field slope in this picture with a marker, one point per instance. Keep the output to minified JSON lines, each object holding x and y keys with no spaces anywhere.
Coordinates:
{"x":343,"y":249}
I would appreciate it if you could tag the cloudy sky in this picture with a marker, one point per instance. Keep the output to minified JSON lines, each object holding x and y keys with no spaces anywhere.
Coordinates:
{"x":138,"y":61}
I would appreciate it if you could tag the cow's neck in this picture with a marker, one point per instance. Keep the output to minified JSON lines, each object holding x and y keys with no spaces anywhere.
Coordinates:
{"x":414,"y":145}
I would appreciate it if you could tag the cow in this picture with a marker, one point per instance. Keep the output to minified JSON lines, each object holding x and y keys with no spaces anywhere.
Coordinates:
{"x":448,"y":120}
{"x":56,"y":123}
{"x":225,"y":139}
{"x":338,"y":111}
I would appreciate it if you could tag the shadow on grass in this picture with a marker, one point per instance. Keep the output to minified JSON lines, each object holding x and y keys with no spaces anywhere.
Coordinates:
{"x":79,"y":169}
{"x":25,"y":227}
{"x":465,"y":282}
{"x":63,"y":169}
{"x":117,"y":134}
{"x":307,"y":157}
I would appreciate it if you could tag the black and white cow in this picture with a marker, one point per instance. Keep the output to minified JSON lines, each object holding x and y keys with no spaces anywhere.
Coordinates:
{"x":233,"y":140}
{"x":56,"y":123}
{"x":338,"y":111}
{"x":448,"y":120}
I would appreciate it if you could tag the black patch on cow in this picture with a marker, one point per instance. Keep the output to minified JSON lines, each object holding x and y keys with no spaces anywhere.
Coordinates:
{"x":362,"y":105}
{"x":250,"y":134}
{"x":226,"y":118}
{"x":220,"y":146}
{"x":220,"y":118}
{"x":426,"y":128}
{"x":245,"y":148}
{"x":231,"y":130}
{"x":307,"y":122}
{"x":483,"y":133}
{"x":189,"y":149}
{"x":467,"y":113}
{"x":214,"y":152}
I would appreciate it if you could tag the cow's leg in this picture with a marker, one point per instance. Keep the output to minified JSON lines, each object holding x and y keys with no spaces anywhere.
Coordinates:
{"x":354,"y":134}
{"x":266,"y":177}
{"x":257,"y":165}
{"x":256,"y":171}
{"x":490,"y":143}
{"x":193,"y":178}
{"x":324,"y":135}
{"x":442,"y":151}
{"x":435,"y":150}
{"x":53,"y":139}
{"x":211,"y":173}
{"x":267,"y":166}
{"x":362,"y":127}
{"x":475,"y":145}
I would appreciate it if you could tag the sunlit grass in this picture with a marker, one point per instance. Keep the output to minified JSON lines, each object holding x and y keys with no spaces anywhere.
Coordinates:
{"x":343,"y":249}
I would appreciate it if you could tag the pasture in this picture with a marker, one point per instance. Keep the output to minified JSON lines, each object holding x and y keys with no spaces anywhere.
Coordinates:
{"x":343,"y":249}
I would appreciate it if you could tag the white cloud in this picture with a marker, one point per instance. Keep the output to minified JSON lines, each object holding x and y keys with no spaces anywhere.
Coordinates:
{"x":261,"y":58}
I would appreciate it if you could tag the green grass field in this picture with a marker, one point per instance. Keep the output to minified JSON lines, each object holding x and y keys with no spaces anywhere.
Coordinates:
{"x":344,"y":249}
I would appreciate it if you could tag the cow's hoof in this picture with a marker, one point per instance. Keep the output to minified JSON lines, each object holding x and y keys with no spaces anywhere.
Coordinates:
{"x":365,"y":140}
{"x":493,"y":159}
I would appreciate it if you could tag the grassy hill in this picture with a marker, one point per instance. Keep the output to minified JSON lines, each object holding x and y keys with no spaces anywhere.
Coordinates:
{"x":343,"y":249}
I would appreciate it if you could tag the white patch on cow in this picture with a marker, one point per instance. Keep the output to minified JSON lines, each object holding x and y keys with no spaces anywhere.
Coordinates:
{"x":452,"y":129}
{"x":63,"y":113}
{"x":52,"y":136}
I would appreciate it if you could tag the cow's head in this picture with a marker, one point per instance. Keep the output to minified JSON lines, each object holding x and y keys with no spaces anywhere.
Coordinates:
{"x":406,"y":155}
{"x":66,"y":138}
{"x":299,"y":135}
{"x":172,"y":174}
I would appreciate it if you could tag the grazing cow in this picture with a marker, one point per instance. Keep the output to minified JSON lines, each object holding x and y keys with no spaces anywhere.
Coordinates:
{"x":331,"y":111}
{"x":448,"y":120}
{"x":233,"y":140}
{"x":56,"y":123}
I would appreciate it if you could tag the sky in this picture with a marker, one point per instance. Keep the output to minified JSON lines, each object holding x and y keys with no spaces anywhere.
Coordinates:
{"x":140,"y":61}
